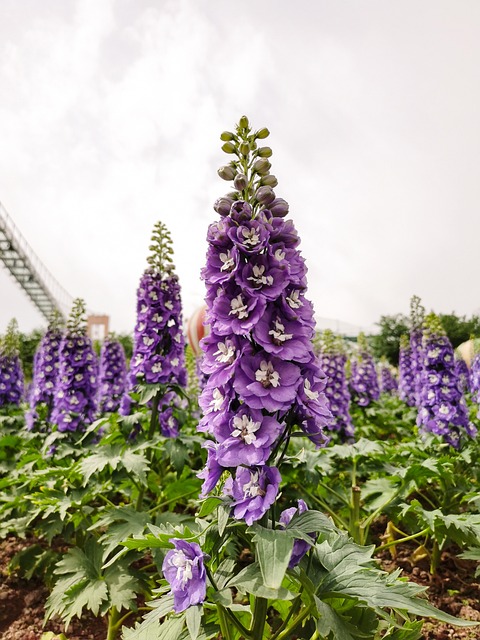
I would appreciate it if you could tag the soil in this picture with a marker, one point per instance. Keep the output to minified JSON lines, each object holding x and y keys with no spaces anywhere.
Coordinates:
{"x":454,"y":590}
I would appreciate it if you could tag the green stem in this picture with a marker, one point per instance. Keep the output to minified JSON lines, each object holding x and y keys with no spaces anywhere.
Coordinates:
{"x":336,"y":518}
{"x":151,"y":431}
{"x":224,"y":613}
{"x":400,"y":540}
{"x":259,"y":618}
{"x":299,"y":619}
{"x":113,"y":618}
{"x":435,"y":557}
{"x":167,"y":502}
{"x":355,"y":531}
{"x":293,"y":609}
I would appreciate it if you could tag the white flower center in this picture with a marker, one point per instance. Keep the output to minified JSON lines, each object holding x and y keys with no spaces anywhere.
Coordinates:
{"x":252,"y":489}
{"x":184,"y":567}
{"x":216,"y":401}
{"x":278,"y":333}
{"x":267,"y":376}
{"x":227,"y":260}
{"x":279,"y":255}
{"x":225,"y":354}
{"x":258,"y":276}
{"x":311,"y":395}
{"x":238,"y":307}
{"x":251,"y":237}
{"x":293,"y":300}
{"x":245,"y":428}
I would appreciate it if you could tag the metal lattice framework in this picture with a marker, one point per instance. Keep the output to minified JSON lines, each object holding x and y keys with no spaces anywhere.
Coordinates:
{"x":29,"y":271}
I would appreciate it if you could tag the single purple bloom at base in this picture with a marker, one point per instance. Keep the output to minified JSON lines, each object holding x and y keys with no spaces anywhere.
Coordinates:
{"x":184,"y":570}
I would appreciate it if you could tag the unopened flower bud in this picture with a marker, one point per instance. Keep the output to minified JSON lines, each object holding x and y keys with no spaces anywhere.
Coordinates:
{"x":227,"y":135}
{"x":269,"y":180}
{"x":278,"y":208}
{"x":265,"y":195}
{"x":241,"y":212}
{"x":228,"y":147}
{"x":262,"y":165}
{"x":226,"y":172}
{"x":243,"y":123}
{"x":244,"y":148}
{"x":222,"y":206}
{"x":264,"y":152}
{"x":263,"y":133}
{"x":240,"y":182}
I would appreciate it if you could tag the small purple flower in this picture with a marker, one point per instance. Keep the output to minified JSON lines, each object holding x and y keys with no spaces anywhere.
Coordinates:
{"x":388,"y":381}
{"x":253,"y":490}
{"x":363,"y":380}
{"x":406,"y":375}
{"x":11,"y":373}
{"x":184,"y":570}
{"x":111,"y":377}
{"x":246,"y":438}
{"x":212,"y":471}
{"x":442,"y":407}
{"x":76,"y":388}
{"x":300,"y":547}
{"x":266,"y":382}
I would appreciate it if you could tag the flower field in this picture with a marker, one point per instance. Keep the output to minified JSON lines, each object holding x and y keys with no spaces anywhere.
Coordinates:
{"x":279,"y":484}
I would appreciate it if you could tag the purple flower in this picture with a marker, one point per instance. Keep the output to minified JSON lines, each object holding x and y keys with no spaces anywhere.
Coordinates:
{"x":300,"y":547}
{"x":212,"y":471}
{"x":246,"y":437}
{"x":253,"y":490}
{"x":11,"y":373}
{"x":388,"y":382}
{"x":333,"y":359}
{"x":111,"y":377}
{"x":267,"y":382}
{"x":406,"y":375}
{"x":442,"y":407}
{"x":76,"y":388}
{"x":45,"y":371}
{"x":263,"y":378}
{"x":463,"y":373}
{"x":184,"y":570}
{"x":363,"y":380}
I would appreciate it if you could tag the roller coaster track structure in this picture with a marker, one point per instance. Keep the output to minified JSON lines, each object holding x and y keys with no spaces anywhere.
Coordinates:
{"x":29,"y":271}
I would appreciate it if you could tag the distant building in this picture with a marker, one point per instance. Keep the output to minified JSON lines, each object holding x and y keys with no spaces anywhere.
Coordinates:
{"x":97,"y":327}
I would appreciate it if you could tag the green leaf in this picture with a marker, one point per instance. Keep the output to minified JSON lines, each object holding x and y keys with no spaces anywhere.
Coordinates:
{"x":209,"y":505}
{"x":273,"y":551}
{"x":193,"y":618}
{"x":330,"y":621}
{"x":250,"y":580}
{"x":409,"y":631}
{"x":223,"y":514}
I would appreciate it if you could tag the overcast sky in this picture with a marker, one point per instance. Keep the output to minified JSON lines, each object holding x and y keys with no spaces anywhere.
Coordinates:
{"x":110,"y":116}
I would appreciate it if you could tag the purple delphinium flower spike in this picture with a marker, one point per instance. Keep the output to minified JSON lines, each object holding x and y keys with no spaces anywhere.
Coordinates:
{"x":263,"y":376}
{"x":159,"y":344}
{"x":406,"y":376}
{"x":363,"y":379}
{"x":388,"y":381}
{"x":76,"y":388}
{"x":333,"y":359}
{"x":475,"y":378}
{"x":111,"y":376}
{"x":417,"y":315}
{"x":463,"y":373}
{"x":11,"y":373}
{"x":184,"y":570}
{"x":45,"y":373}
{"x":442,"y":407}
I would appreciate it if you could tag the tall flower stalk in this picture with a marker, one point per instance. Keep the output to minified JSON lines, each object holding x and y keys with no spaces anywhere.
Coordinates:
{"x":159,"y":344}
{"x":442,"y":407}
{"x":11,"y":373}
{"x":45,"y":373}
{"x":417,"y":316}
{"x":406,"y":374}
{"x":75,"y":392}
{"x":363,"y":379}
{"x":332,"y":358}
{"x":111,"y":376}
{"x":387,"y":378}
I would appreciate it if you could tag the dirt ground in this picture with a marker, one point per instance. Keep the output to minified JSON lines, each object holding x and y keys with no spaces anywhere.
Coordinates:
{"x":454,"y":590}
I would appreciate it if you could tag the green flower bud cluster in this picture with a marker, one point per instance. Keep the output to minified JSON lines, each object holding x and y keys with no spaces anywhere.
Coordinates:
{"x":249,"y":171}
{"x":161,"y":256}
{"x":77,"y":320}
{"x":10,"y":344}
{"x":329,"y":342}
{"x":417,"y":313}
{"x":432,"y":326}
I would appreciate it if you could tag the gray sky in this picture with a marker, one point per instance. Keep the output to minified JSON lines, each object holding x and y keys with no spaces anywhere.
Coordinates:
{"x":110,"y":116}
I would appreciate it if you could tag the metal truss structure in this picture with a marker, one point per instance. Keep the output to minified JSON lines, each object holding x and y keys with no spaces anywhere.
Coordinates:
{"x":29,"y":271}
